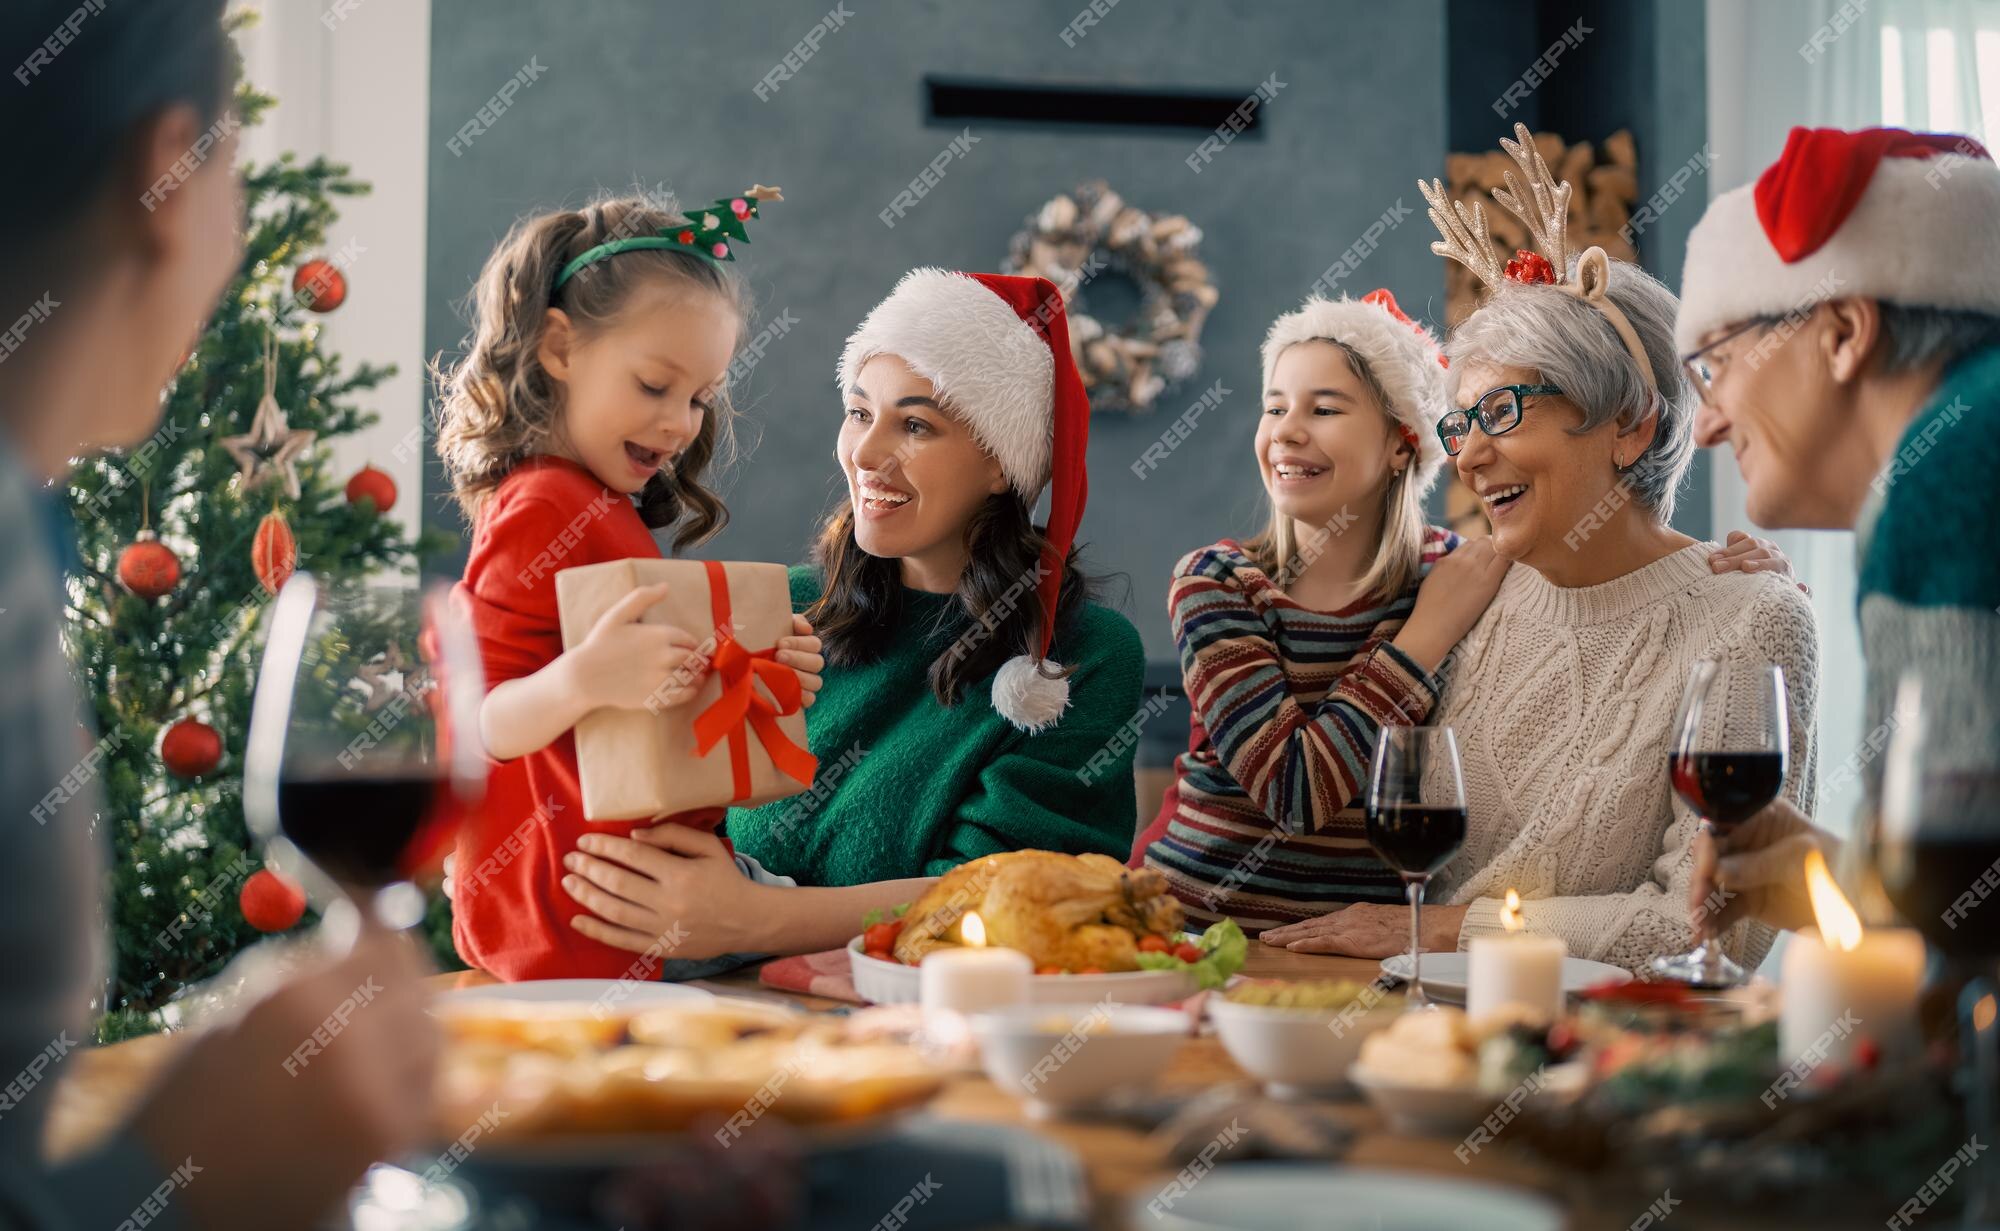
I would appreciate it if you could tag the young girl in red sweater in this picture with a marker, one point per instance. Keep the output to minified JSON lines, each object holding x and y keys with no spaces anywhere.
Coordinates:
{"x":583,"y":418}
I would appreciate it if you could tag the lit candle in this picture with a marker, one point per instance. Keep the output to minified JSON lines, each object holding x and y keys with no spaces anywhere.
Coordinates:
{"x":1515,"y":971}
{"x":958,"y":981}
{"x":1842,"y":984}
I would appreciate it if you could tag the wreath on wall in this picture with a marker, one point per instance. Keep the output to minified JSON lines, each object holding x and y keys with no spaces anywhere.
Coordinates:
{"x":1080,"y":237}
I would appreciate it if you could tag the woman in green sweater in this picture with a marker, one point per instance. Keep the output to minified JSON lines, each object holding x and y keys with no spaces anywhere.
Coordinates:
{"x":975,"y":700}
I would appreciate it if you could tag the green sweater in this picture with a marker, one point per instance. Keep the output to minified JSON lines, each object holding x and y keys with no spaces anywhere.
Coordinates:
{"x":1930,"y":572}
{"x":909,"y":787}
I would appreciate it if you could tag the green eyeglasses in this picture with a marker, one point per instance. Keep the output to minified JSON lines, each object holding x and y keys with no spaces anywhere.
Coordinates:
{"x":1497,"y":411}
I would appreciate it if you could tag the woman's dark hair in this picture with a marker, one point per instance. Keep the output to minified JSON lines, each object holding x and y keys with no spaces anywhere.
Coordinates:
{"x":82,"y":75}
{"x":858,"y":611}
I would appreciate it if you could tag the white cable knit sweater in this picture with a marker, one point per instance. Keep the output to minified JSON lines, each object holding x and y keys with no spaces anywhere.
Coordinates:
{"x":1564,"y":703}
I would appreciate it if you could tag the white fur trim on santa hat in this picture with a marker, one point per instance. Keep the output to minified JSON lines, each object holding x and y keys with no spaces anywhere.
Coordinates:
{"x":1404,"y":359}
{"x":1925,"y":234}
{"x":1027,"y":698}
{"x":990,"y":367}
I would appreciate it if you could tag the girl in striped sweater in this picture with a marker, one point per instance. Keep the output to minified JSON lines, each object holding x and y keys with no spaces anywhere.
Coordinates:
{"x":1299,"y":644}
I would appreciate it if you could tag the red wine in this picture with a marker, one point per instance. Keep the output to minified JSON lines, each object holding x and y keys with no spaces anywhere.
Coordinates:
{"x":359,"y":829}
{"x":1416,"y":839}
{"x":1726,"y":788}
{"x":1937,"y":882}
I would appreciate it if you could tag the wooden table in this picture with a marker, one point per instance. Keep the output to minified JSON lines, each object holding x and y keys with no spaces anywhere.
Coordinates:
{"x":1122,"y":1164}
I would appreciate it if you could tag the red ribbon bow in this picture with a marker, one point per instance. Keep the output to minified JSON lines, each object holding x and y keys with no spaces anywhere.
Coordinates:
{"x":741,"y":704}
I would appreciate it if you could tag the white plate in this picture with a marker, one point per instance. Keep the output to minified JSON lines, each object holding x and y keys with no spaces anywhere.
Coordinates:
{"x":883,"y":982}
{"x":620,"y":993}
{"x":1444,"y":974}
{"x":1271,"y":1196}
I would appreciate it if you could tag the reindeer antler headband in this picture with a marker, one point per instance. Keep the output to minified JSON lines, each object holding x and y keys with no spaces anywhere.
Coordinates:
{"x":1545,"y":208}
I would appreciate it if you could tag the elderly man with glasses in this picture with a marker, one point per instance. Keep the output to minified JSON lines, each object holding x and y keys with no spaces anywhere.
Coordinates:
{"x":1842,"y":324}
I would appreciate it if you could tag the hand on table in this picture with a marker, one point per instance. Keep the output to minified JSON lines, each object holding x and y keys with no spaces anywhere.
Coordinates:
{"x":1757,"y":870}
{"x":1368,"y":929}
{"x":671,"y":890}
{"x":343,"y":1054}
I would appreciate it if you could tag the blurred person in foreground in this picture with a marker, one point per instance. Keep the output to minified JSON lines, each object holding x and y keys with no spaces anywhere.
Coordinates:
{"x":122,"y":220}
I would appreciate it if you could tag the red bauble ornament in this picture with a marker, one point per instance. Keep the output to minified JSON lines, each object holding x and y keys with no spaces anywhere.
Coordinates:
{"x":319,"y":286}
{"x":1530,"y":267}
{"x":270,"y":903}
{"x":191,"y":748}
{"x":274,"y":553}
{"x":369,"y":483}
{"x":686,"y":237}
{"x":148,"y":567}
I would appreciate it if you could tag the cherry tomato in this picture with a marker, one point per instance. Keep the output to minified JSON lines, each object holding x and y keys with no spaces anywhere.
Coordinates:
{"x":1050,"y":970}
{"x":1188,"y":951}
{"x":881,"y":935}
{"x":1151,"y":943}
{"x":880,"y":955}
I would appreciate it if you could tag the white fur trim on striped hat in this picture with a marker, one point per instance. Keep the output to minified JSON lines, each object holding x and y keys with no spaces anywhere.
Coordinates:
{"x":1926,"y":233}
{"x":991,"y":367}
{"x":1403,"y":355}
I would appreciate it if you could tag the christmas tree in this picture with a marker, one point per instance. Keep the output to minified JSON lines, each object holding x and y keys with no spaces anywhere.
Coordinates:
{"x":182,"y":541}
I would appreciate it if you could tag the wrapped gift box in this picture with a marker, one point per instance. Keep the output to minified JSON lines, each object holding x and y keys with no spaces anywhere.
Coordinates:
{"x":637,"y":764}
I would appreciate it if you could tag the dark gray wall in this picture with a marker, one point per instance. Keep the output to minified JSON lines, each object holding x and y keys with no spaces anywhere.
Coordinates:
{"x":1642,"y":66}
{"x":642,"y":93}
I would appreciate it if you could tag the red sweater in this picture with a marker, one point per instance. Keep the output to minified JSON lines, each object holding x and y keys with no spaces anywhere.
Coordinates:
{"x":510,"y":912}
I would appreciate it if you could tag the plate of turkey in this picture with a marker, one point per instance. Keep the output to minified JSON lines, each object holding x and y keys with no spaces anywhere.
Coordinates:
{"x":1094,"y":929}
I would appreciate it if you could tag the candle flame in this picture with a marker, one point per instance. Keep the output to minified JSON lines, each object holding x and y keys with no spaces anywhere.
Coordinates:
{"x":1839,"y":926}
{"x":1510,"y":914}
{"x":972,"y":930}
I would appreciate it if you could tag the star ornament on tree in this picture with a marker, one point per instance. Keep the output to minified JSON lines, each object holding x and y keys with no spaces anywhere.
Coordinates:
{"x":270,"y":449}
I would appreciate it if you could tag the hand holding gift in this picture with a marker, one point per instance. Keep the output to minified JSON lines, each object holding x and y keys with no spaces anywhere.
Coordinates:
{"x":628,"y":664}
{"x":716,"y":723}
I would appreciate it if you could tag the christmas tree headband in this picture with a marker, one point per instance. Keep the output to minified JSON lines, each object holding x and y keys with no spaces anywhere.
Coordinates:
{"x":706,"y":233}
{"x":1545,"y":208}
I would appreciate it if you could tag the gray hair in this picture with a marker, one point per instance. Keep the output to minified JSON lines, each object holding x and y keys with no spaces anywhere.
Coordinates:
{"x":1574,"y":347}
{"x":1915,"y":337}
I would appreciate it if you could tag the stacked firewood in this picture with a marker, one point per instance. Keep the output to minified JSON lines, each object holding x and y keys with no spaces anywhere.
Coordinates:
{"x":1605,"y":186}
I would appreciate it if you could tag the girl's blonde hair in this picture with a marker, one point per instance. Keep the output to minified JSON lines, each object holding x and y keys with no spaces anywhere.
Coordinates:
{"x":1398,"y":555}
{"x":498,"y":406}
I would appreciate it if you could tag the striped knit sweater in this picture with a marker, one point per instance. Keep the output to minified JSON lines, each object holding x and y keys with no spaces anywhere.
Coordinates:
{"x":1263,"y":822}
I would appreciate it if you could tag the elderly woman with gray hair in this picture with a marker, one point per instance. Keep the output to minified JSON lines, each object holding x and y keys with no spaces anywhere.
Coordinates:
{"x":1574,"y":429}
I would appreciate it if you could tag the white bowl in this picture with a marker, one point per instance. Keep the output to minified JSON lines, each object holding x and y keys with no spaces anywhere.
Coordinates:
{"x":1297,"y":1053}
{"x":1446,"y":1111}
{"x":881,"y":982}
{"x":1064,"y":1056}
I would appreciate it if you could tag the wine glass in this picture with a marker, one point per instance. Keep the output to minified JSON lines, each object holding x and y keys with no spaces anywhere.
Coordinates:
{"x":1938,"y":839}
{"x":363,"y":747}
{"x":1416,"y":819}
{"x":1732,"y":744}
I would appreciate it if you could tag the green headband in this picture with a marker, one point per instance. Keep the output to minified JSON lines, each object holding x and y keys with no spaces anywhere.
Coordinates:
{"x":706,"y":234}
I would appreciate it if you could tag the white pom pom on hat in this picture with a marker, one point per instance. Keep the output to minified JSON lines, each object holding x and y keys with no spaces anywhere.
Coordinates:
{"x":996,"y":347}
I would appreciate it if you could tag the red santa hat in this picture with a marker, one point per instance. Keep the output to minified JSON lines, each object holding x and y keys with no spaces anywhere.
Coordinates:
{"x":996,"y":347}
{"x":1402,"y":354}
{"x":1909,"y":218}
